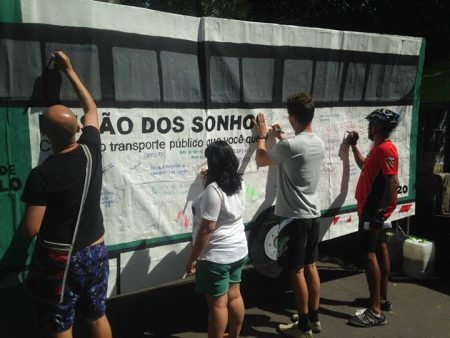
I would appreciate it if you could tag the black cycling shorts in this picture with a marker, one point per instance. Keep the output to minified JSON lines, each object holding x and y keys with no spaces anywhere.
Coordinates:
{"x":302,"y":245}
{"x":370,"y":239}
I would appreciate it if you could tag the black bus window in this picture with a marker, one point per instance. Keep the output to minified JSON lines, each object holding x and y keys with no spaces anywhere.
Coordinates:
{"x":85,"y":60}
{"x":297,"y":77}
{"x":180,"y":76}
{"x":20,"y":67}
{"x":390,"y":82}
{"x":136,"y":75}
{"x":327,"y":81}
{"x":354,"y":83}
{"x":257,"y":79}
{"x":224,"y":79}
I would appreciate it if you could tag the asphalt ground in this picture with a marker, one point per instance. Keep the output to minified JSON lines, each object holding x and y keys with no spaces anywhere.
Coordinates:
{"x":420,"y":308}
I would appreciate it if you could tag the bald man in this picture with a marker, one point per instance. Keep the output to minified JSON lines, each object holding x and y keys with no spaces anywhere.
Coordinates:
{"x":52,"y":195}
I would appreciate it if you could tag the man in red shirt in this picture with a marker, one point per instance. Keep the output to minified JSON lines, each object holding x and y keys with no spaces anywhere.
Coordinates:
{"x":376,"y":195}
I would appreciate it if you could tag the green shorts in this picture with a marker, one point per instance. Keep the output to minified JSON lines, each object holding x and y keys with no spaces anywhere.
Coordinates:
{"x":214,"y":278}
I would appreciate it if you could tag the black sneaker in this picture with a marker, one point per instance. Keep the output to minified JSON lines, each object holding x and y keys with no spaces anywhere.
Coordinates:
{"x":368,"y":318}
{"x":385,"y":305}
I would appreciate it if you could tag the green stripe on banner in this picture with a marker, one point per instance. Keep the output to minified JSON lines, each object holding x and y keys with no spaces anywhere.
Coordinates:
{"x":186,"y":237}
{"x":415,"y":123}
{"x":15,"y":163}
{"x":10,"y":11}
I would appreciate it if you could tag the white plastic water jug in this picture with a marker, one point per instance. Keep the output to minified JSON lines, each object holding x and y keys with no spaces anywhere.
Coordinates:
{"x":418,"y":258}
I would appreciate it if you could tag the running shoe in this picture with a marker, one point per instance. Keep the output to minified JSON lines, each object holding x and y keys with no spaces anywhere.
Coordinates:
{"x":367,"y":318}
{"x":292,"y":330}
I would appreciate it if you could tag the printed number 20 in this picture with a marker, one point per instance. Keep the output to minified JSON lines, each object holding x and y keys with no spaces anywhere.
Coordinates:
{"x":402,"y":189}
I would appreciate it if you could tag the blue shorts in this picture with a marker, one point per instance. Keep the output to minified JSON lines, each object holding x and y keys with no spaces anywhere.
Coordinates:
{"x":87,"y":285}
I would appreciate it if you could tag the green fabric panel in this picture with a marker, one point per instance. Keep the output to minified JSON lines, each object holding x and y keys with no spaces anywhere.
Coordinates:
{"x":415,"y":124}
{"x":15,"y":165}
{"x":14,"y":151}
{"x":10,"y":11}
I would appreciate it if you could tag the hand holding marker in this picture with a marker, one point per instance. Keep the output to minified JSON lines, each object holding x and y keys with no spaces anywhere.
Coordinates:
{"x":279,"y":130}
{"x":275,"y":126}
{"x":261,"y":122}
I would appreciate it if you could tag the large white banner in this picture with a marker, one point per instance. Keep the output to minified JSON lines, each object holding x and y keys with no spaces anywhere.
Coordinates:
{"x":167,"y":85}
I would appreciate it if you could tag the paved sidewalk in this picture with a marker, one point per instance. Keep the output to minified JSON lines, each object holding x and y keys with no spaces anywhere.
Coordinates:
{"x":419,"y":309}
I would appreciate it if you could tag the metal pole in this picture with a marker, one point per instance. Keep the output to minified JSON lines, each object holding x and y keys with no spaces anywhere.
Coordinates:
{"x":408,"y":219}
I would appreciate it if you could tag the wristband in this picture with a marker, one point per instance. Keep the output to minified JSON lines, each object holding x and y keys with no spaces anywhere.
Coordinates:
{"x":262,"y":137}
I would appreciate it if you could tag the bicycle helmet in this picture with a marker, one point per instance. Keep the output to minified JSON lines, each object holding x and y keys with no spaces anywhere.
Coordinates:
{"x":385,"y":117}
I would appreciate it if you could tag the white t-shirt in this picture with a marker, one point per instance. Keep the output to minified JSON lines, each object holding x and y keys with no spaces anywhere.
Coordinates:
{"x":228,"y":243}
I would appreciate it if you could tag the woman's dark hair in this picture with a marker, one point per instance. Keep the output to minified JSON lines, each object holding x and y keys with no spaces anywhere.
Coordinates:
{"x":222,"y":167}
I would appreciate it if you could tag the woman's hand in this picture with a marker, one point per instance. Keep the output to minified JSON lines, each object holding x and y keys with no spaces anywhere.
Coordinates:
{"x":190,"y":266}
{"x":203,"y":172}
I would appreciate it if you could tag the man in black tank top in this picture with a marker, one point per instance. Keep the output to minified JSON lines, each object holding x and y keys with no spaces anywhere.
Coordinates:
{"x":53,"y":196}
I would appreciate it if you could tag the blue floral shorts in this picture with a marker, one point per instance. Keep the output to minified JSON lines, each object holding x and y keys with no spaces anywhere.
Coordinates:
{"x":87,"y":285}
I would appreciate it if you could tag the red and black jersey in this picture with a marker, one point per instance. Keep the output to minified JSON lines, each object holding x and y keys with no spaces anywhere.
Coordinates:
{"x":382,"y":160}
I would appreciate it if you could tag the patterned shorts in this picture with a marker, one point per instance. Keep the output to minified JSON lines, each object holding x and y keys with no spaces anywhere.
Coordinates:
{"x":87,"y":284}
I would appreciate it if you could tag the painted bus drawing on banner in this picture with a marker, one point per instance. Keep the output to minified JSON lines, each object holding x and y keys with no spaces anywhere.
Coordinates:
{"x":166,"y":86}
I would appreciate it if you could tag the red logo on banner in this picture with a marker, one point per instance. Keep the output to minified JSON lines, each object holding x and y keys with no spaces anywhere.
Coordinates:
{"x":405,"y":208}
{"x":335,"y":220}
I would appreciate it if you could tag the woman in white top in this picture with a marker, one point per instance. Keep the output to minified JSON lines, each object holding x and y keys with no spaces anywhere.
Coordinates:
{"x":220,"y":245}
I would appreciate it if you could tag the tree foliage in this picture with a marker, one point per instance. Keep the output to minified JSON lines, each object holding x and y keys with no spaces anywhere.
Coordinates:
{"x":428,"y":19}
{"x":422,"y":18}
{"x":233,"y":9}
